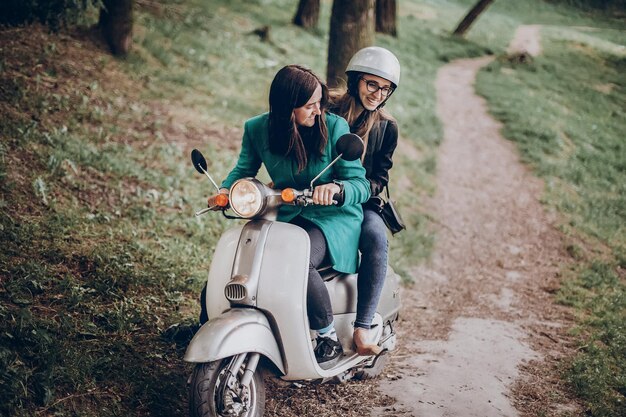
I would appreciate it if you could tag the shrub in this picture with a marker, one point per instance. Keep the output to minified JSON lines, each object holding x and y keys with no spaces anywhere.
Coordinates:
{"x":54,"y":13}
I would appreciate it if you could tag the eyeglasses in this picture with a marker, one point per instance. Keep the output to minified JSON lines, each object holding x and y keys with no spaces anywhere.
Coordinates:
{"x":372,"y":87}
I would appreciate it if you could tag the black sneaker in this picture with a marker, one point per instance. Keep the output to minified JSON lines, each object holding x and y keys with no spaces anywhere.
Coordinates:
{"x":327,"y":349}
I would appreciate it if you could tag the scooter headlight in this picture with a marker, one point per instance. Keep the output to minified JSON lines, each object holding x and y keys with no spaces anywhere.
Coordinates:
{"x":246,"y":198}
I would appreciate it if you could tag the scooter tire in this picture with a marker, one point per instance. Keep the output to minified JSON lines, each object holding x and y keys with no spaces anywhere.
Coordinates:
{"x":205,"y":386}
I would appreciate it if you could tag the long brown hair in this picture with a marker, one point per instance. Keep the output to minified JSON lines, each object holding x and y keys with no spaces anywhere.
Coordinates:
{"x":292,"y":87}
{"x":347,"y":104}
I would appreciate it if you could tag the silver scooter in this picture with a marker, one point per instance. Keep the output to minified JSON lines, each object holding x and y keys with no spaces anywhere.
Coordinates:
{"x":256,"y":304}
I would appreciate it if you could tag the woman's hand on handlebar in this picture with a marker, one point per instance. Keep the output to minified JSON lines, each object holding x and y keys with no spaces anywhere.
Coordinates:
{"x":323,"y":194}
{"x":214,"y":200}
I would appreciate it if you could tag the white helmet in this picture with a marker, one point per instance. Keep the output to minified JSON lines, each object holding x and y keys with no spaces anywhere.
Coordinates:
{"x":376,"y":61}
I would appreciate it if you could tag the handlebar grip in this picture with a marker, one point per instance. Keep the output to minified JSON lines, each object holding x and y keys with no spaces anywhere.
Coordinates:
{"x":338,"y":198}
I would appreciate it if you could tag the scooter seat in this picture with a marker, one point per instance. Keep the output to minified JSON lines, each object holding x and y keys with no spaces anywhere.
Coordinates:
{"x":327,"y":272}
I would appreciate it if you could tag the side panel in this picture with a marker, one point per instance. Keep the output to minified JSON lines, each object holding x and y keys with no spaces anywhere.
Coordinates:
{"x":343,"y":291}
{"x":389,"y":303}
{"x":233,"y":332}
{"x":221,"y":272}
{"x":343,"y":294}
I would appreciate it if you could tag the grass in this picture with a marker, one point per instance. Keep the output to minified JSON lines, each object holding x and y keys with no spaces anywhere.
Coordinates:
{"x":101,"y":252}
{"x":86,"y":293}
{"x":565,"y":111}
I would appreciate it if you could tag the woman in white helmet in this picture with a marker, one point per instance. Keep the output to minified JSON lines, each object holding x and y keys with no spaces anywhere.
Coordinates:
{"x":373,"y":75}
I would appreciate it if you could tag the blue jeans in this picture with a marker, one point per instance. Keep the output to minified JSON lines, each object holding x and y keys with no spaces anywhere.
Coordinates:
{"x":374,"y":247}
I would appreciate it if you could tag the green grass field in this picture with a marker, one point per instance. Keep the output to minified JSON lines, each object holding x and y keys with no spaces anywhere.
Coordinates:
{"x":100,"y":249}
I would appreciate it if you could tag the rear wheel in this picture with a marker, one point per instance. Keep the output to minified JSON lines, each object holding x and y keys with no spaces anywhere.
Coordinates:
{"x":214,"y":392}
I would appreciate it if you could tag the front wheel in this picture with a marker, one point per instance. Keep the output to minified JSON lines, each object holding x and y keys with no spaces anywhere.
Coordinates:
{"x":216,"y":390}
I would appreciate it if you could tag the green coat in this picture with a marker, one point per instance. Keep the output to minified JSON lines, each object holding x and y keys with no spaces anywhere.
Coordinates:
{"x":341,"y":225}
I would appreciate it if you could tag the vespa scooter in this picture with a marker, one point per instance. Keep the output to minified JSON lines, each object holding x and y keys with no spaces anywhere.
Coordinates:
{"x":256,"y":304}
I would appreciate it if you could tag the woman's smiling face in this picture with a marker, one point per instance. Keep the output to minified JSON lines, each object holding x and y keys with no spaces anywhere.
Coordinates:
{"x":371,"y":100}
{"x":305,"y":115}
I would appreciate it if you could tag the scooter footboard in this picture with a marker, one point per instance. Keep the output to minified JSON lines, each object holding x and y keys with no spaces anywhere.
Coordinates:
{"x":233,"y":332}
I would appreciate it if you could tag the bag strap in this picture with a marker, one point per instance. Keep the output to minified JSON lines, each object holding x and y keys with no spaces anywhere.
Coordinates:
{"x":381,"y":134}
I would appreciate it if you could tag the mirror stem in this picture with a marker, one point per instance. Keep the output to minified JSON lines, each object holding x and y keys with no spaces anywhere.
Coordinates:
{"x":207,"y":174}
{"x":324,"y":170}
{"x":201,"y":212}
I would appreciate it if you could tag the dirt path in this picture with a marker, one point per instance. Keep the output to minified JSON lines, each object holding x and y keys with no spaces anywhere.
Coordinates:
{"x":481,"y":311}
{"x":526,"y":39}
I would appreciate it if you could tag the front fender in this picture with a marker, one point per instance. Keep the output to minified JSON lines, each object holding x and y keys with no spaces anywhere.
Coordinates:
{"x":233,"y":332}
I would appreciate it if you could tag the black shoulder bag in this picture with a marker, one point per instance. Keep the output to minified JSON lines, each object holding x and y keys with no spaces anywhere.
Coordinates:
{"x":391,"y":215}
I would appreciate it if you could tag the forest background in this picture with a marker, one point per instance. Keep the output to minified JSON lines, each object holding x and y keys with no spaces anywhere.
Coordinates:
{"x":101,"y":254}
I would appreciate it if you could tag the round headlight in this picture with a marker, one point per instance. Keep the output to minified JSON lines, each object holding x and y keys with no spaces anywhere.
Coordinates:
{"x":246,"y":198}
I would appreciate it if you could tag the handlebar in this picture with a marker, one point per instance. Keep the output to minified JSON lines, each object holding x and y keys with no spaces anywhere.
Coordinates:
{"x":305,"y":197}
{"x":262,"y":201}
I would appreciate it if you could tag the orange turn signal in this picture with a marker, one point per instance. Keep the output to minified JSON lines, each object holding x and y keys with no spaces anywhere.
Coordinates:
{"x":288,"y":195}
{"x":221,"y":200}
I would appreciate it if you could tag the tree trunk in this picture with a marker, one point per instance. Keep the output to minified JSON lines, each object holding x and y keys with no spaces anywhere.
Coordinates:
{"x":386,"y":11}
{"x":351,"y":28}
{"x":471,"y":16}
{"x":308,"y":14}
{"x":116,"y":22}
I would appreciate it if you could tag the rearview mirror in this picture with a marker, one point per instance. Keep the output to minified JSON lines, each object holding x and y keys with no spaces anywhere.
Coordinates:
{"x":350,"y":147}
{"x":199,"y":163}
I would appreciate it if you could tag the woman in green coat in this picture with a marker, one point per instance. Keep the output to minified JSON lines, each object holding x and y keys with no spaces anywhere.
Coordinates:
{"x":295,"y":141}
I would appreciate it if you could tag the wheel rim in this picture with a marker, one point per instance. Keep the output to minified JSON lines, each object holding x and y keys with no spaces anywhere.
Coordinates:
{"x":232,"y":401}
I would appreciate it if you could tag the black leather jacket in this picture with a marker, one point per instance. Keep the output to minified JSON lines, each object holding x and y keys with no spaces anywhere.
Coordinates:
{"x":378,"y":156}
